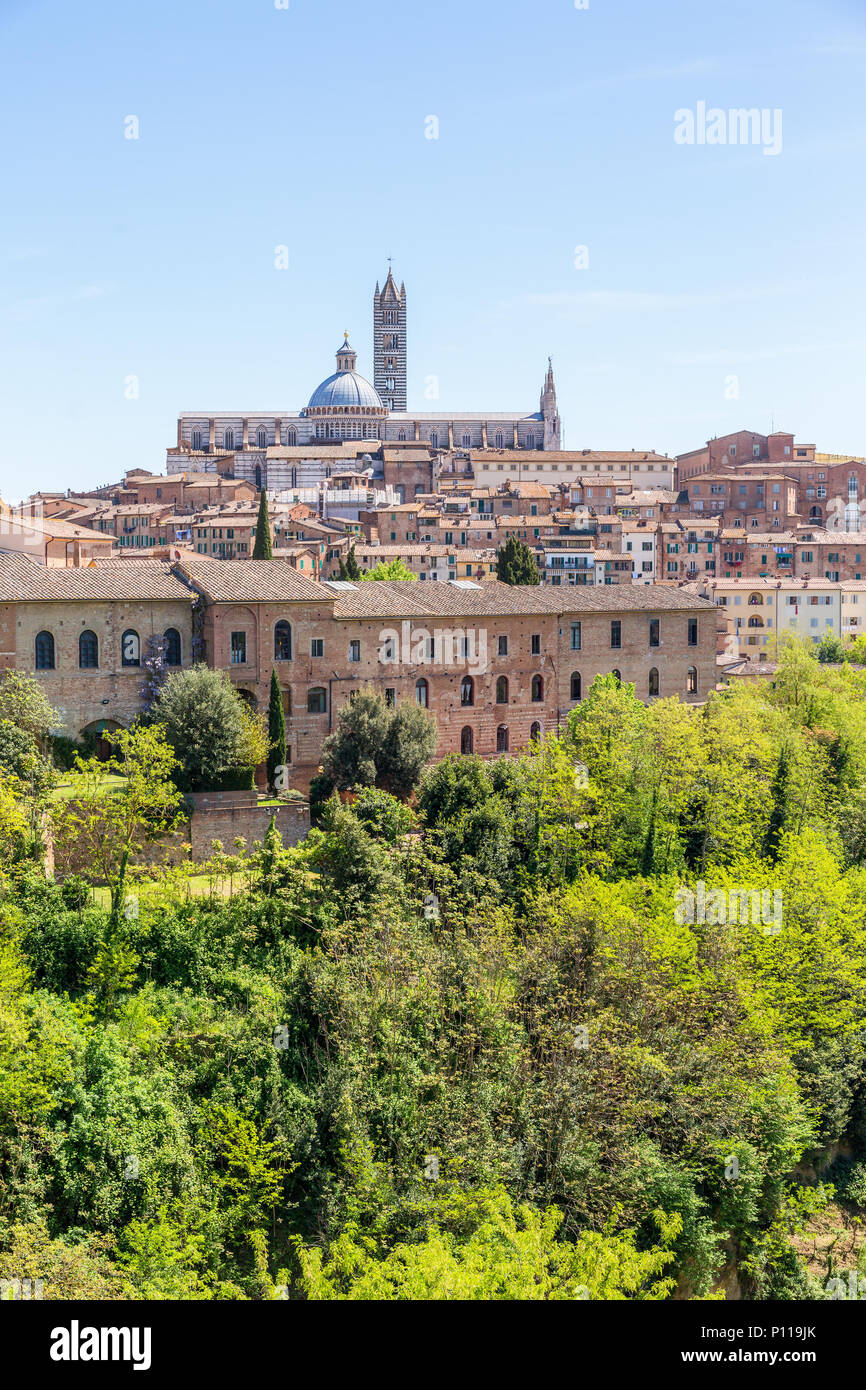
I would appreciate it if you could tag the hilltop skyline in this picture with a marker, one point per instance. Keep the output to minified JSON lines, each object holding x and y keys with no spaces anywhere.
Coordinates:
{"x":534,"y":205}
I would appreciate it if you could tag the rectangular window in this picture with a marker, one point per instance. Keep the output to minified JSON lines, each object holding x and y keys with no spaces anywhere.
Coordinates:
{"x":317,"y":646}
{"x":654,"y":632}
{"x":390,"y":696}
{"x":503,"y":646}
{"x":239,"y":648}
{"x":693,"y":632}
{"x":575,"y":637}
{"x":616,"y":633}
{"x":536,"y":644}
{"x":354,"y":651}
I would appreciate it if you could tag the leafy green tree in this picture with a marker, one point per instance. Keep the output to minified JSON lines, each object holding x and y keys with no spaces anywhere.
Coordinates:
{"x":263,"y":548}
{"x":375,"y":745}
{"x":209,"y":726}
{"x":830,"y":648}
{"x":502,"y":1252}
{"x":388,"y":569}
{"x":103,"y":829}
{"x":276,"y":731}
{"x":24,"y":704}
{"x":516,"y":564}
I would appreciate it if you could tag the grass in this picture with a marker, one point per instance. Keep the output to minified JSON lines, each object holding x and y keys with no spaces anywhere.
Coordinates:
{"x":152,"y":891}
{"x":110,"y":784}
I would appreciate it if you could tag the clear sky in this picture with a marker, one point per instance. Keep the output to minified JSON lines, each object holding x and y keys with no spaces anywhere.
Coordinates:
{"x":306,"y":127}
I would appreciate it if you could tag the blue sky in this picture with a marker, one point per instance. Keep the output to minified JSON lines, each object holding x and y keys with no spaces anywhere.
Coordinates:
{"x":305,"y":127}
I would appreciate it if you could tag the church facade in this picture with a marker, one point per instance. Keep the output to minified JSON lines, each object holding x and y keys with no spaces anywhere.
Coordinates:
{"x":348,"y":416}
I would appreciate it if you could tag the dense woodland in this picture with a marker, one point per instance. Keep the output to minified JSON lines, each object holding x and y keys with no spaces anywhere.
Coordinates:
{"x":458,"y":1042}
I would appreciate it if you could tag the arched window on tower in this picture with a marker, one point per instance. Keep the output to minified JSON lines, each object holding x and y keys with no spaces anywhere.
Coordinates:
{"x":229,"y":439}
{"x":502,"y":690}
{"x":537,"y":690}
{"x":535,"y":732}
{"x":196,"y":440}
{"x":467,"y":691}
{"x":421,"y":693}
{"x":466,"y":739}
{"x":502,"y":739}
{"x":653,"y":688}
{"x":261,"y":437}
{"x":575,"y":685}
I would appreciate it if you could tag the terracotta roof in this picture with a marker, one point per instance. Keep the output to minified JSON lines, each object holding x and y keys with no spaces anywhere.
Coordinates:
{"x":252,"y":581}
{"x":22,"y":580}
{"x":407,"y":598}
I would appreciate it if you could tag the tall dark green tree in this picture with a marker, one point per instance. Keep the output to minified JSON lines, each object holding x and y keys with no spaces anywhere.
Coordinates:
{"x":515,"y":563}
{"x":276,"y":732}
{"x":350,"y":569}
{"x":263,"y":549}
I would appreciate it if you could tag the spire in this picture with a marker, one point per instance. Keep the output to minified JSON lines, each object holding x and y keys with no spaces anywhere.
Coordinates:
{"x":346,"y":355}
{"x":550,"y":415}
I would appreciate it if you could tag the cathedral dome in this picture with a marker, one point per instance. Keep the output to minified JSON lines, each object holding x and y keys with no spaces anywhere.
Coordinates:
{"x":345,"y":389}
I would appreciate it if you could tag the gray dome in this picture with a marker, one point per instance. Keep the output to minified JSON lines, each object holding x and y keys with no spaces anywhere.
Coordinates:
{"x":345,"y":389}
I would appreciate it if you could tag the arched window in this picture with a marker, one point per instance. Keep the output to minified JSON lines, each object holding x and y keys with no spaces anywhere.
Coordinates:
{"x":261,"y":437}
{"x":756,"y":621}
{"x":537,"y":690}
{"x":502,"y":690}
{"x":282,"y":641}
{"x":756,"y":599}
{"x":421,"y":693}
{"x":171,"y":637}
{"x":467,"y":691}
{"x":575,"y":685}
{"x":44,"y":651}
{"x":530,"y":441}
{"x":317,"y":700}
{"x":434,"y":439}
{"x":654,"y":681}
{"x":401,"y":434}
{"x":466,"y":740}
{"x":814,"y":513}
{"x":692,"y":681}
{"x":130,"y":648}
{"x":502,"y":739}
{"x":196,"y":440}
{"x":467,"y":441}
{"x":618,"y":676}
{"x":88,"y":650}
{"x":500,"y":439}
{"x":291,"y":437}
{"x":535,"y":732}
{"x":229,"y":439}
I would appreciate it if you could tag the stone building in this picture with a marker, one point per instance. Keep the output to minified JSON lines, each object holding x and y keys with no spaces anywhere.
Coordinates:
{"x":84,"y":633}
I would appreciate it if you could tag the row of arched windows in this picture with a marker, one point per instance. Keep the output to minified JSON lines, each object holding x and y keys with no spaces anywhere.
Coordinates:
{"x":88,"y":649}
{"x":467,"y":690}
{"x":652,"y":682}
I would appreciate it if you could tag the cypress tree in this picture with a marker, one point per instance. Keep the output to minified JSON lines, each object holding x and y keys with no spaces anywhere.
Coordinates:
{"x":263,"y":549}
{"x":515,"y":563}
{"x":353,"y":569}
{"x":276,"y":732}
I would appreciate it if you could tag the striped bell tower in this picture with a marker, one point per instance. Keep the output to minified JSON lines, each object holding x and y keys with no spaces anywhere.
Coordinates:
{"x":389,"y":343}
